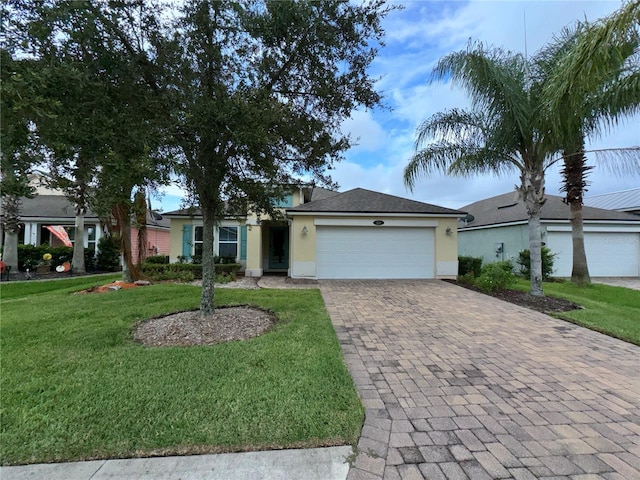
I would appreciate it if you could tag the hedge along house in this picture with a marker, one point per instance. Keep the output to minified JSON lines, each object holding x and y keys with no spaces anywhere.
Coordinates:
{"x":497,"y":229}
{"x":358,"y":234}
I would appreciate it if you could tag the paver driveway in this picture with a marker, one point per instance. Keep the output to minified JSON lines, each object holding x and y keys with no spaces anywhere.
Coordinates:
{"x":459,"y":385}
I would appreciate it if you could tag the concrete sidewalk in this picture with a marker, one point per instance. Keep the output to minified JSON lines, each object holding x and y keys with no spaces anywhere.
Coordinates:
{"x":308,"y":464}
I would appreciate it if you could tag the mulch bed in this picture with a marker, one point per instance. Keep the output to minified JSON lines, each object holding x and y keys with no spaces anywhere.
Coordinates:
{"x":524,"y":299}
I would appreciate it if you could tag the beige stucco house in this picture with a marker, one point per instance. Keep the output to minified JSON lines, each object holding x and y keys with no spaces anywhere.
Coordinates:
{"x":358,"y":234}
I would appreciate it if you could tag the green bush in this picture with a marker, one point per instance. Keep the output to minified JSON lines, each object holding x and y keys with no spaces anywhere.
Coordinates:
{"x":524,"y":260}
{"x":174,"y":270}
{"x":469,"y":265}
{"x":108,"y":258}
{"x":157,"y":259}
{"x":496,"y":276}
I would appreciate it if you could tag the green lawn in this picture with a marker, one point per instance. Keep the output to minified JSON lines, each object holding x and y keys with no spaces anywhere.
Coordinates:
{"x":75,"y":386}
{"x":611,"y":310}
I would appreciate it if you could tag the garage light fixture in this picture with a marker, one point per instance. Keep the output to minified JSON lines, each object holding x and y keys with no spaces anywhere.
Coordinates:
{"x":448,"y":231}
{"x":305,"y":230}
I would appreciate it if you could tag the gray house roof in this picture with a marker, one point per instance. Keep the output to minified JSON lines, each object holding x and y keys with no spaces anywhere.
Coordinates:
{"x":57,"y":208}
{"x":49,"y":206}
{"x":624,"y":201}
{"x":508,"y":208}
{"x":360,"y":200}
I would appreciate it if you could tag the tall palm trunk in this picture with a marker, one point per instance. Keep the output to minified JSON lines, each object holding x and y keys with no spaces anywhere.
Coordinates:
{"x":140,"y":210}
{"x":11,"y":207}
{"x":121,"y":214}
{"x":574,"y":173}
{"x":532,"y":191}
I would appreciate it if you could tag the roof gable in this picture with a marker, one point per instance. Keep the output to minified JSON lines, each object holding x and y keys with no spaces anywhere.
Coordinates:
{"x":509,"y":208}
{"x":360,"y":200}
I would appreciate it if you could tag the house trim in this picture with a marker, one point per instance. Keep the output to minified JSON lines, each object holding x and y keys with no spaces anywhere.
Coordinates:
{"x":358,"y":222}
{"x":292,"y":213}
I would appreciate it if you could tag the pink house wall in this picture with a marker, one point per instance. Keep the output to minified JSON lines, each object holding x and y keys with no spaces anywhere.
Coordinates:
{"x":157,"y":242}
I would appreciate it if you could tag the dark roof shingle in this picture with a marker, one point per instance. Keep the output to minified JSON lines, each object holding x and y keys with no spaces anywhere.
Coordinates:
{"x":360,"y":200}
{"x":509,"y":208}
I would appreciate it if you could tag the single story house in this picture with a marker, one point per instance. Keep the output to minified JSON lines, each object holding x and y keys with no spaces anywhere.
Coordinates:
{"x":497,"y":229}
{"x":46,"y":210}
{"x":358,"y":234}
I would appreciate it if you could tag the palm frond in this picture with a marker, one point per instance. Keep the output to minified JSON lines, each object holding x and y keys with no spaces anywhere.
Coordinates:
{"x":619,"y":161}
{"x":494,"y":78}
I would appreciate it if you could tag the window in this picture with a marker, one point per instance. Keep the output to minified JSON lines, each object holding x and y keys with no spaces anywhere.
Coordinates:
{"x":197,"y":241}
{"x":228,"y":242}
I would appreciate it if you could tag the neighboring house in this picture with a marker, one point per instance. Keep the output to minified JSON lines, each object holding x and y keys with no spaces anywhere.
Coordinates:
{"x":623,"y":201}
{"x":497,"y":229}
{"x":357,"y":234}
{"x":52,"y":210}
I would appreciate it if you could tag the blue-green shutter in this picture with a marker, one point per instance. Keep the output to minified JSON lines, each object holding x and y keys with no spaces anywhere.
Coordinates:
{"x":186,"y":241}
{"x":243,"y":242}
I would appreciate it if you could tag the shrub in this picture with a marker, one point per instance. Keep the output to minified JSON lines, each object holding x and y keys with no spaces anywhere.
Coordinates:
{"x":469,"y":265}
{"x":524,"y":260}
{"x":496,"y":276}
{"x":158,"y":259}
{"x":173,"y":271}
{"x":108,"y":259}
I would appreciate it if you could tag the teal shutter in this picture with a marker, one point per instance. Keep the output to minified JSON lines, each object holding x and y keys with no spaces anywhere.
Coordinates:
{"x":186,"y":241}
{"x":243,"y":242}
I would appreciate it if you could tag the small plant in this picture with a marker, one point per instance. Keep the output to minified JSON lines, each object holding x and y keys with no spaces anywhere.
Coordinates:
{"x":524,"y":260}
{"x":495,"y":277}
{"x":469,"y":265}
{"x":46,"y":259}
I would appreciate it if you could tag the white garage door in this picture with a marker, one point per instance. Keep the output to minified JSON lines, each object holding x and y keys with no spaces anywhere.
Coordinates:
{"x":374,"y":252}
{"x":614,"y":254}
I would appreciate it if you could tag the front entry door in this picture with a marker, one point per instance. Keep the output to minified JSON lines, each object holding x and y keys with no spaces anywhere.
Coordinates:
{"x":278,"y":248}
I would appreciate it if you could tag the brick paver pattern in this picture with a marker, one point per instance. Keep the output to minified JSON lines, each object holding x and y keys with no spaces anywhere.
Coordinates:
{"x":458,"y":385}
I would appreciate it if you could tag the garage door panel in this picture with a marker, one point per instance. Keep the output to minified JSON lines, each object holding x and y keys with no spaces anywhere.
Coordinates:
{"x":608,"y":254}
{"x":370,"y":253}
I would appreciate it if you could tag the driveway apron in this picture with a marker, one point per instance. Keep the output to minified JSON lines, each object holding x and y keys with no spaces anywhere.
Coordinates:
{"x":457,"y":385}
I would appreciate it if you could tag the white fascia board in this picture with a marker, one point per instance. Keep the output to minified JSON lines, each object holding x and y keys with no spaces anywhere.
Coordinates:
{"x":605,"y":227}
{"x":361,"y":222}
{"x":368,"y":214}
{"x":494,"y":225}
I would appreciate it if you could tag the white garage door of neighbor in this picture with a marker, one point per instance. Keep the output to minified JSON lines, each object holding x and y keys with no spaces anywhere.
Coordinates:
{"x":374,"y":252}
{"x":613,"y":254}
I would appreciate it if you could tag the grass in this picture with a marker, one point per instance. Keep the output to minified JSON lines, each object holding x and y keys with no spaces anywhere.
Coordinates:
{"x":614,"y":311}
{"x":75,"y":386}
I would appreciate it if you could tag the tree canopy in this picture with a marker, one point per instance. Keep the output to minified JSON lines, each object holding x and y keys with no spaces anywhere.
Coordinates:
{"x":252,"y":93}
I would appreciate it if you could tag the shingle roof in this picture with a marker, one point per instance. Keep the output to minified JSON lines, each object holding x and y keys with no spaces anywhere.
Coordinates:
{"x":508,"y":208}
{"x":57,"y":207}
{"x":624,"y":201}
{"x":49,"y":206}
{"x":360,"y":200}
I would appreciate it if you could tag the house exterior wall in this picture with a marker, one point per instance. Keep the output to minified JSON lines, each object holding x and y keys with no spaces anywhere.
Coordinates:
{"x":482,"y":242}
{"x":158,"y":242}
{"x":303,"y":244}
{"x":557,"y":237}
{"x":182,"y":231}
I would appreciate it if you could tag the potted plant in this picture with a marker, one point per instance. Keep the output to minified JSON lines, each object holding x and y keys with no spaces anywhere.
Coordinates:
{"x":45,"y":265}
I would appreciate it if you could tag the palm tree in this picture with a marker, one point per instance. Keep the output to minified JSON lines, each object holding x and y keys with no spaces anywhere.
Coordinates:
{"x":592,"y":79}
{"x":501,"y":133}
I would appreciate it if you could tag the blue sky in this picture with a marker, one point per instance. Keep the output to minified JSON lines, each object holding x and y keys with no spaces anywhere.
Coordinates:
{"x":416,"y":37}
